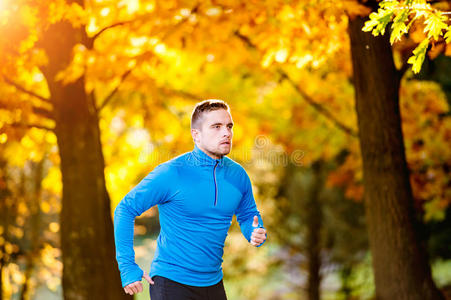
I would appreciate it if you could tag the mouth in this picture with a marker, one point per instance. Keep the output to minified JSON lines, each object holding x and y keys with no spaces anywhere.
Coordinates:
{"x":225,"y":143}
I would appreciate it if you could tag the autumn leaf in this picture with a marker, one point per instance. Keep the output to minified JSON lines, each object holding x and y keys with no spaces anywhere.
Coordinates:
{"x":435,"y":24}
{"x":418,"y":56}
{"x":399,"y":27}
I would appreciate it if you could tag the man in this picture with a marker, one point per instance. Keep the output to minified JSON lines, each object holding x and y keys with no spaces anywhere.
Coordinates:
{"x":197,"y":194}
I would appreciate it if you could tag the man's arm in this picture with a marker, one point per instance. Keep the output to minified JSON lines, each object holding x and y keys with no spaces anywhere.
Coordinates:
{"x":248,"y":216}
{"x":152,"y":190}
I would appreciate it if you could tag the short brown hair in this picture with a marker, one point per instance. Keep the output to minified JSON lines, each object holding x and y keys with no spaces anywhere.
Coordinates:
{"x":203,"y":107}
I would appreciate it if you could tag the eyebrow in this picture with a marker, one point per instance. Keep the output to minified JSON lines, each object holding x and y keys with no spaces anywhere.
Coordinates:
{"x":221,"y":124}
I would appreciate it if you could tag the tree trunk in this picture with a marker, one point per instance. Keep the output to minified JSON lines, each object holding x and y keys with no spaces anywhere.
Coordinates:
{"x":90,"y":270}
{"x":345,"y":278}
{"x":4,"y":216}
{"x":314,"y":222}
{"x":34,"y":226}
{"x":8,"y":214}
{"x":401,"y":268}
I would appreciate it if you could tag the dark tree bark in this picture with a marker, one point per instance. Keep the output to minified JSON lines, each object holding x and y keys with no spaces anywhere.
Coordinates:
{"x":400,"y":261}
{"x":90,"y":270}
{"x":8,"y":214}
{"x":5,"y":216}
{"x":345,"y":277}
{"x":301,"y":188}
{"x":314,"y":220}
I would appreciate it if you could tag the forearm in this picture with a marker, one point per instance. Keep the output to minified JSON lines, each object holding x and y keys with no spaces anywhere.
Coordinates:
{"x":124,"y":219}
{"x":152,"y":190}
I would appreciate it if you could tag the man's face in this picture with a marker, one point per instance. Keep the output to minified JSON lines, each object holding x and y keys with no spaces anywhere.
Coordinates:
{"x":215,"y":134}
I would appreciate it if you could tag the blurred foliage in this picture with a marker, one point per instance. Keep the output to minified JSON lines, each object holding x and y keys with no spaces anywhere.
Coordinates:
{"x":284,"y":68}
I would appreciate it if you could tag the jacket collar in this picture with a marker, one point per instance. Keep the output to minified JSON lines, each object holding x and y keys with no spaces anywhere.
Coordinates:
{"x":204,"y":160}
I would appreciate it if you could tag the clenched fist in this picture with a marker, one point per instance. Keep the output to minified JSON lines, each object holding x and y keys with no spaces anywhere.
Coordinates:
{"x":137,"y":287}
{"x":258,"y":235}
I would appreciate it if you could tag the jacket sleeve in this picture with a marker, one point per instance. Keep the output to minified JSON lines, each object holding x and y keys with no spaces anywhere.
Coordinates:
{"x":247,"y":209}
{"x":152,"y":190}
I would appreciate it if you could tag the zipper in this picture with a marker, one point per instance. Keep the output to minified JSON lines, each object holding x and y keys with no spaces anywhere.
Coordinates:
{"x":216,"y":186}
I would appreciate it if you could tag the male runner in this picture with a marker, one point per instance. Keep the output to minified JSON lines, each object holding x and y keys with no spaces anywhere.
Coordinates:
{"x":197,"y":194}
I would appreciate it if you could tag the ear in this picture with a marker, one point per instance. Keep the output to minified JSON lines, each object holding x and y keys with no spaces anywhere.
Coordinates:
{"x":195,"y":134}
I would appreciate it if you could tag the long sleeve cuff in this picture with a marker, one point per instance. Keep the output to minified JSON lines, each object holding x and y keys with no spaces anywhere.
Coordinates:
{"x":247,"y":229}
{"x":132,"y":276}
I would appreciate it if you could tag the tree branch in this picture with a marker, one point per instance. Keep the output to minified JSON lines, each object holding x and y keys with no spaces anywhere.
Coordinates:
{"x":171,"y":92}
{"x":92,"y":99}
{"x":245,"y":40}
{"x":43,"y":112}
{"x":108,"y":27}
{"x":125,"y":75}
{"x":178,"y":24}
{"x":93,"y":38}
{"x":24,"y":90}
{"x":113,"y":92}
{"x":28,"y":125}
{"x":167,"y":92}
{"x":318,"y":107}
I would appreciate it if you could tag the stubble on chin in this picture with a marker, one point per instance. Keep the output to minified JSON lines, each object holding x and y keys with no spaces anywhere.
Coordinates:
{"x":225,"y":152}
{"x":220,"y":153}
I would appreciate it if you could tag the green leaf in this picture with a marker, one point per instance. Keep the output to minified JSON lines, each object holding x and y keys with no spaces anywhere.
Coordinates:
{"x":435,"y":23}
{"x":448,"y":35}
{"x":389,"y":4}
{"x":418,"y":56}
{"x":378,"y":21}
{"x":399,"y":27}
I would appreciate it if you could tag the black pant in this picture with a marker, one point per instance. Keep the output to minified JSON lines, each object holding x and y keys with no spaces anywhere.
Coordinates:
{"x":167,"y":289}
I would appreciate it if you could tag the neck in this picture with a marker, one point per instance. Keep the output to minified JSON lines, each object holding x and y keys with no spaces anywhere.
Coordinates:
{"x":212,"y":155}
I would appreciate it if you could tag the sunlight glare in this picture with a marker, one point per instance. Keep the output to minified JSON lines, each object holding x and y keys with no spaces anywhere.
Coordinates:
{"x":132,"y":6}
{"x":2,"y":8}
{"x":104,"y":12}
{"x":5,"y":11}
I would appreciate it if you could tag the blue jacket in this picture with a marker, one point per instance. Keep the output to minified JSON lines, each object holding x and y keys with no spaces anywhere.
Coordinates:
{"x":197,"y":197}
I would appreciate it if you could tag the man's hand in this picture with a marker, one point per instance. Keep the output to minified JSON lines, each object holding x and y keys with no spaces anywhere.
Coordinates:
{"x":137,"y":287}
{"x":258,"y":235}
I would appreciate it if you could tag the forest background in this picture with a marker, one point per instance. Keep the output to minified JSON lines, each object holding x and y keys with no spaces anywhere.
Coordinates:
{"x":343,"y":126}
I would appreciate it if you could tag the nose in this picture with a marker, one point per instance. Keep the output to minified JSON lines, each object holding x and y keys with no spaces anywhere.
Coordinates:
{"x":227,"y":132}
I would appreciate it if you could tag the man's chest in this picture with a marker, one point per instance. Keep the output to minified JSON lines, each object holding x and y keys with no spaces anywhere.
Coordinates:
{"x":209,"y":193}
